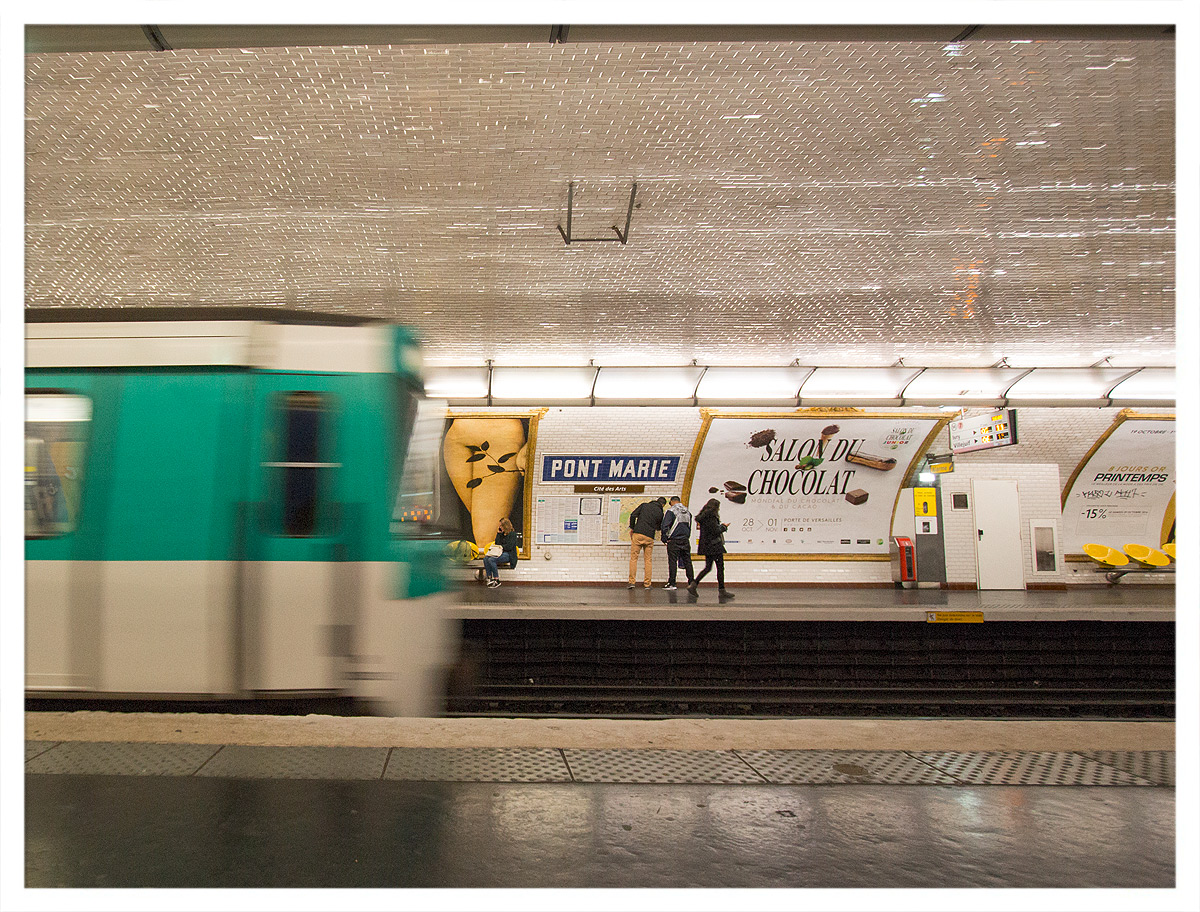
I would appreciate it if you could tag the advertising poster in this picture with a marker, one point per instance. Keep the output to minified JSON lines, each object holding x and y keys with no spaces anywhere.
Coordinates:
{"x":485,"y":459}
{"x":809,"y":485}
{"x":1123,"y":491}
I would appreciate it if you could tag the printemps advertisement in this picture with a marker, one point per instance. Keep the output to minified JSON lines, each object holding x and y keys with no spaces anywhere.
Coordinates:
{"x":1123,"y":491}
{"x":809,"y":485}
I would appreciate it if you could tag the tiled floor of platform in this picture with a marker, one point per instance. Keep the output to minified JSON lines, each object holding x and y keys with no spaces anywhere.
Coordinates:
{"x":533,"y":600}
{"x":950,"y":768}
{"x":211,"y":831}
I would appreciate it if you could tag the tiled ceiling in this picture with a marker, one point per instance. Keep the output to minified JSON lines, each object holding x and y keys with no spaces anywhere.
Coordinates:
{"x":839,"y":202}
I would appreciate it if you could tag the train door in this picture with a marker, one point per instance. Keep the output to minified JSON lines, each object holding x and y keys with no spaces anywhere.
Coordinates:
{"x":294,"y":535}
{"x":61,"y":622}
{"x":998,"y":535}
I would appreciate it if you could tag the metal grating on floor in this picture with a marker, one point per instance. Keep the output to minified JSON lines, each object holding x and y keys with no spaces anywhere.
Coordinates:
{"x":1156,"y":767}
{"x":1025,"y":768}
{"x":463,"y":764}
{"x":667,"y":766}
{"x":242,"y":761}
{"x":110,"y":758}
{"x":815,"y":767}
{"x":477,"y":764}
{"x":34,"y":748}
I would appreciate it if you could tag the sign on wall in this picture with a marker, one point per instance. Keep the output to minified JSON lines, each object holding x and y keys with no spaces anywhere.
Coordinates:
{"x":571,"y":520}
{"x":809,"y":485}
{"x":995,"y":429}
{"x":575,"y":469}
{"x":1123,"y":491}
{"x":619,"y":509}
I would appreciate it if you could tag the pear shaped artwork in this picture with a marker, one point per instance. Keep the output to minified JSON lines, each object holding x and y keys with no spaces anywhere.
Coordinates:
{"x":485,"y":459}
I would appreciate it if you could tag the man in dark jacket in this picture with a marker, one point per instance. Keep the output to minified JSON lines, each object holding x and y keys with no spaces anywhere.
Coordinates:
{"x":645,"y":522}
{"x":677,"y":533}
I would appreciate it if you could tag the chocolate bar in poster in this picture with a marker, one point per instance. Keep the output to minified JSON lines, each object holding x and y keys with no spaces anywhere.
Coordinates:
{"x":882,"y":463}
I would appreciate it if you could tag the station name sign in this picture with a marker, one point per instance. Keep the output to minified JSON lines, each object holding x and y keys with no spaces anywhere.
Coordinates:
{"x":575,"y":469}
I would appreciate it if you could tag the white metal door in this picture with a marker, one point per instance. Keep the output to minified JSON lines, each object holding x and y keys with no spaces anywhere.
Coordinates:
{"x":998,"y":535}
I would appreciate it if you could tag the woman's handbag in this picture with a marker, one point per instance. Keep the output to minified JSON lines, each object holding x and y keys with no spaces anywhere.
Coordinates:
{"x":494,"y":550}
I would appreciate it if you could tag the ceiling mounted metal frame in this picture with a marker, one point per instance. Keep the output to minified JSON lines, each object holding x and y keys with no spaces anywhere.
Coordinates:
{"x":623,"y":237}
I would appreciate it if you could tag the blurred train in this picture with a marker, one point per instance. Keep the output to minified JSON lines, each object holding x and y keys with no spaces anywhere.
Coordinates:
{"x":231,"y":503}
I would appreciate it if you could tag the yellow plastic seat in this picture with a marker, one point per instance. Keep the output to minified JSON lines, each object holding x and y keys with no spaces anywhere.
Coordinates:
{"x":1104,"y":555}
{"x":1147,"y":556}
{"x":1169,"y":550}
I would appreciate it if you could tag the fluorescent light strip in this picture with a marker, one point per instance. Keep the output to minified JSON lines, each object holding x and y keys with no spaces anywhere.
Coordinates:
{"x":792,"y":385}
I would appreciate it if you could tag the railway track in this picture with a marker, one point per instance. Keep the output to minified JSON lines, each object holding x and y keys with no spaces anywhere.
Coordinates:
{"x":1059,"y":702}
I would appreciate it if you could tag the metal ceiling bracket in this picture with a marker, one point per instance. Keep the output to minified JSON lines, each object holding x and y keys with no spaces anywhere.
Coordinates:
{"x":1108,"y":394}
{"x":156,"y":38}
{"x":558,"y":33}
{"x":1016,"y":380}
{"x":696,"y":388}
{"x":904,"y":389}
{"x":623,"y":237}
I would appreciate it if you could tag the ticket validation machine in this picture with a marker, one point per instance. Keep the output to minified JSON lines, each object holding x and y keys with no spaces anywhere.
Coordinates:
{"x":918,"y":517}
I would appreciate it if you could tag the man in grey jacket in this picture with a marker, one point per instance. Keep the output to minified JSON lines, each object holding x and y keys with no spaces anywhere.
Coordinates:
{"x":677,"y":533}
{"x":644,"y":523}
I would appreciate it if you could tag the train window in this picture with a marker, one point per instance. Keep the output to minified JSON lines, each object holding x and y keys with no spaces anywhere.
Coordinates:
{"x":56,"y":432}
{"x":420,"y":424}
{"x":304,"y":437}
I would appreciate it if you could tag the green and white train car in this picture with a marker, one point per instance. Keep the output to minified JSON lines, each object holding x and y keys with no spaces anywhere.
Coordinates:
{"x":227,"y":505}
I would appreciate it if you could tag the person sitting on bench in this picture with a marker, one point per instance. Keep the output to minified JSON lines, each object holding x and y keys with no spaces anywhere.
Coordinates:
{"x":506,"y":541}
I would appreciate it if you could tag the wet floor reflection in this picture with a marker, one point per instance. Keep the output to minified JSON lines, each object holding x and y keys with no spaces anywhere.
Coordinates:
{"x":189,"y":832}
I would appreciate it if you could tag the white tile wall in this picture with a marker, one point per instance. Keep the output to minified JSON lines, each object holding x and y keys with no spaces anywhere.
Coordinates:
{"x":1038,"y":498}
{"x":1052,"y":441}
{"x":1061,"y":436}
{"x":1058,"y":435}
{"x":605,"y":431}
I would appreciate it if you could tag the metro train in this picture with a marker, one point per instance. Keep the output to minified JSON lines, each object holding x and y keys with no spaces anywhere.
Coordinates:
{"x":230,"y":503}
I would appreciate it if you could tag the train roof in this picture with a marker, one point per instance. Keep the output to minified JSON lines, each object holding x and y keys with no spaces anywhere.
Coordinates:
{"x":233,"y":337}
{"x":183,"y":314}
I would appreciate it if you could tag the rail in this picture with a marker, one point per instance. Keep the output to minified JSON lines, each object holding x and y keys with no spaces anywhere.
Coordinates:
{"x":600,"y":700}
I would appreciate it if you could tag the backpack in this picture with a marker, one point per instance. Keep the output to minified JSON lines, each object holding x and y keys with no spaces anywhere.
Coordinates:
{"x":681,"y":515}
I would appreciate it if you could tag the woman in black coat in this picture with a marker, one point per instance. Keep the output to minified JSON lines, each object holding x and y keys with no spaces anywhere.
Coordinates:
{"x":506,"y":538}
{"x":712,"y":546}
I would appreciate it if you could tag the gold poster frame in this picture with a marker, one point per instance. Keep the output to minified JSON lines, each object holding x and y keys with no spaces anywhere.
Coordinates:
{"x":1121,"y":417}
{"x":534,"y":416}
{"x":707,"y":416}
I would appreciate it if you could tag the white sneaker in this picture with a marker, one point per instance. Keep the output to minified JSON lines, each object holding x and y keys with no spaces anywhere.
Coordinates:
{"x":670,"y":588}
{"x":494,"y":584}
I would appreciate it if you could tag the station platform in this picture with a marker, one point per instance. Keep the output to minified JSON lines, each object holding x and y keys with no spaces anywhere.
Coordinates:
{"x":527,"y":600}
{"x":206,"y":800}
